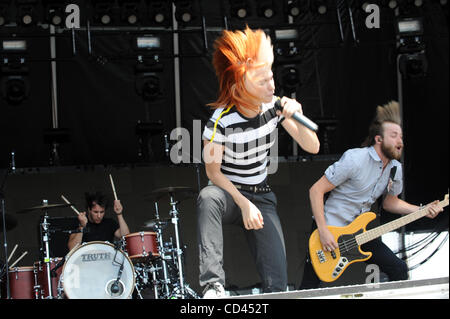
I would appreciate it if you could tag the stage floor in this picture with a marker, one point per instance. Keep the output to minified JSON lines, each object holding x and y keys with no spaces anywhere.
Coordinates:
{"x":436,"y":288}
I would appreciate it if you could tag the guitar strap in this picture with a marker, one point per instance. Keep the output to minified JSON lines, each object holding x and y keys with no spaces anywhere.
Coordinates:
{"x":391,"y":177}
{"x":393,"y":171}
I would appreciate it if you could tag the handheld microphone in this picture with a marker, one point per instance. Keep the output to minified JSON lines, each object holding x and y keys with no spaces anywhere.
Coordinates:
{"x":299,"y":117}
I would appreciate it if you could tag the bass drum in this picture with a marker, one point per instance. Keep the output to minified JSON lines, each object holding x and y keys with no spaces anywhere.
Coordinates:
{"x":91,"y":271}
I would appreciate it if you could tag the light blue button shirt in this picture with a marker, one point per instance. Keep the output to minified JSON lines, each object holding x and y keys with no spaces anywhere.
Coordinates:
{"x":360,"y":180}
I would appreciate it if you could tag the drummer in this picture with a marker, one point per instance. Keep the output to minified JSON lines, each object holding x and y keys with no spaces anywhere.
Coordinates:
{"x":94,"y":226}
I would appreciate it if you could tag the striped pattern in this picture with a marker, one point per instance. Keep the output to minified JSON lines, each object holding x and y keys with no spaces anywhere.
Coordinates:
{"x":247,"y":142}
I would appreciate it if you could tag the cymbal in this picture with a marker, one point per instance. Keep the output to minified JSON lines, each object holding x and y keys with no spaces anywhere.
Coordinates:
{"x":42,"y":207}
{"x":11,"y":222}
{"x":178,"y":192}
{"x":150,"y":224}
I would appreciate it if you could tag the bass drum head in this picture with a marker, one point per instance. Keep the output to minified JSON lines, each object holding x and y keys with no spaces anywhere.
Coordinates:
{"x":91,"y":271}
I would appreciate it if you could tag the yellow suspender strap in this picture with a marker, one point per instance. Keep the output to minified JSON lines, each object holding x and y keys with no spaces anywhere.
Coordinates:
{"x":217,"y":121}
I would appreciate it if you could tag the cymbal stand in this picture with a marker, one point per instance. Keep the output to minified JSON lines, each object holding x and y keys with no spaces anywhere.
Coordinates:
{"x":45,"y":238}
{"x":162,"y":250}
{"x":174,"y":214}
{"x":5,"y":240}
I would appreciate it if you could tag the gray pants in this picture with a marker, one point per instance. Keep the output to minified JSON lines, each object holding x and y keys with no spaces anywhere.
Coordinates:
{"x":216,"y":207}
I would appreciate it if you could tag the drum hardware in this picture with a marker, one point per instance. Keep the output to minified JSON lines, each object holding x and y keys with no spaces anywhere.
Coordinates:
{"x":116,"y":287}
{"x":170,"y":283}
{"x":7,"y":222}
{"x":148,"y":269}
{"x":159,"y":228}
{"x":41,"y":278}
{"x":44,"y":207}
{"x":153,"y":224}
{"x":175,"y":221}
{"x":143,"y":279}
{"x":46,"y":238}
{"x":181,"y":191}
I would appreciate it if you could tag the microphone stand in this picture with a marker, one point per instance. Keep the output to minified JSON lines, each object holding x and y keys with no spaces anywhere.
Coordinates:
{"x":5,"y":241}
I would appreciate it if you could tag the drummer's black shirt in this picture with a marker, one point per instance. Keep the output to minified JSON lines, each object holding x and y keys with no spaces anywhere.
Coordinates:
{"x":100,"y":232}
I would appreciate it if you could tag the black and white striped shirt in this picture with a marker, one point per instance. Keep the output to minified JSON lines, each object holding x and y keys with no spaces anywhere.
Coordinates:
{"x":247,"y":142}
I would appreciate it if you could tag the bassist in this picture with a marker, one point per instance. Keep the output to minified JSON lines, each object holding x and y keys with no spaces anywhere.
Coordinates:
{"x":355,"y":182}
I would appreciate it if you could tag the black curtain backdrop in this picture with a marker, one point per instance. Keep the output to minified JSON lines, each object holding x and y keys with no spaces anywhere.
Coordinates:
{"x":342,"y":78}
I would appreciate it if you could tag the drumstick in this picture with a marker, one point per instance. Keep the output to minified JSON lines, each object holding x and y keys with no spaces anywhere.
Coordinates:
{"x":113,"y":188}
{"x":18,"y":259}
{"x":12,"y":253}
{"x":71,"y":206}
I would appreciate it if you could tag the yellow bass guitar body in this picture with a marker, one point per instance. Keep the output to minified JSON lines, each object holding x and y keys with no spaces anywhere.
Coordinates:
{"x":329,"y":266}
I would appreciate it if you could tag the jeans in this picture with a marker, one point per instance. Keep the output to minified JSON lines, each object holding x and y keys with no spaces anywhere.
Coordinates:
{"x":216,"y":207}
{"x":382,"y":256}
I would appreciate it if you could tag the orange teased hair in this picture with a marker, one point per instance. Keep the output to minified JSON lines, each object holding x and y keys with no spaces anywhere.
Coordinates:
{"x":234,"y":53}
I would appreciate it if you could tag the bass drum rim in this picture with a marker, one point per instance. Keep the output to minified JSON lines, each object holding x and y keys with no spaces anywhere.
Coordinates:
{"x":79,"y":246}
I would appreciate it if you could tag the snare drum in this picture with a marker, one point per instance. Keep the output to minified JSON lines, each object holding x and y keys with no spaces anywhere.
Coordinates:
{"x":91,"y":271}
{"x":22,"y":282}
{"x":141,"y":246}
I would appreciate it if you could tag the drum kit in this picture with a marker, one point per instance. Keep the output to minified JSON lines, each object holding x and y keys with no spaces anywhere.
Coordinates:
{"x":102,"y":270}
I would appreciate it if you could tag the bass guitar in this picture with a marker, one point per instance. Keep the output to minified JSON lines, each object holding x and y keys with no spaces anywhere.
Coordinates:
{"x":329,"y":266}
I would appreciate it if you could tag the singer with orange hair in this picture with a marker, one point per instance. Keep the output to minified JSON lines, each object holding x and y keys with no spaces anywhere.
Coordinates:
{"x":237,"y":140}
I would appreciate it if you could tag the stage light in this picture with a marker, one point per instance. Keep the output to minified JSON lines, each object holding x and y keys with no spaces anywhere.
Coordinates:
{"x":14,"y":45}
{"x":285,"y":42}
{"x":290,"y":79}
{"x":413,"y":65}
{"x":15,"y":89}
{"x":129,"y":11}
{"x":320,"y":6}
{"x":151,"y":88}
{"x":148,"y":83}
{"x":184,"y":11}
{"x":14,"y":84}
{"x":409,"y":35}
{"x":103,"y":12}
{"x":409,"y":27}
{"x":54,"y":12}
{"x":239,"y":9}
{"x":391,"y":4}
{"x":294,"y":7}
{"x":56,"y":18}
{"x":286,"y":35}
{"x":27,"y":12}
{"x":148,"y":42}
{"x":160,"y":12}
{"x":266,"y":9}
{"x":411,"y":47}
